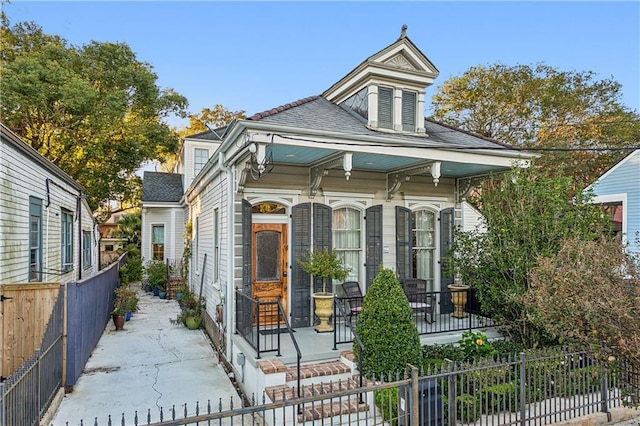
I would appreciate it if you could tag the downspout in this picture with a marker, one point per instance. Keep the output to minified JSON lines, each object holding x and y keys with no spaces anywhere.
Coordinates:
{"x":228,"y":317}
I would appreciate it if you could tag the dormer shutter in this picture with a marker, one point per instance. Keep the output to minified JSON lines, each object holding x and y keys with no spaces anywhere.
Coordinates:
{"x":408,"y":111}
{"x":385,"y":107}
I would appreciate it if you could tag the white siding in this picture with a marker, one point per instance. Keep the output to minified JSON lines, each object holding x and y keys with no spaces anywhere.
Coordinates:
{"x":472,"y":220}
{"x":22,"y":178}
{"x":172,"y":218}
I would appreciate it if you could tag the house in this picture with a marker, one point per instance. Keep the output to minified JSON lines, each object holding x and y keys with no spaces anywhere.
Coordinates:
{"x":48,"y":231}
{"x":618,"y":190}
{"x":357,"y":169}
{"x":110,"y":243}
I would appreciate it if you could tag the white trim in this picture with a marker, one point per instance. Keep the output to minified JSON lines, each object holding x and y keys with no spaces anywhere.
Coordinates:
{"x":432,"y":203}
{"x":612,"y":169}
{"x":339,"y":199}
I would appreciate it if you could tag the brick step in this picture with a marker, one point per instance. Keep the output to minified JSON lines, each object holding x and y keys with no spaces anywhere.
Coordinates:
{"x":282,"y":392}
{"x":317,"y":369}
{"x":313,"y":412}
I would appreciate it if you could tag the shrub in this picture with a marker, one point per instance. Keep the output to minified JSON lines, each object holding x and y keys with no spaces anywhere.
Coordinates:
{"x":386,"y":329}
{"x":157,"y":274}
{"x":500,"y":397}
{"x":445,"y":351}
{"x":125,"y":300}
{"x":387,"y":403}
{"x":468,"y":408}
{"x":475,"y":345}
{"x":132,"y":269}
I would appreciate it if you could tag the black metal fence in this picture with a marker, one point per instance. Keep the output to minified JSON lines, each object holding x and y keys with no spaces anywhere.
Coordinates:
{"x":535,"y":388}
{"x":89,"y":306}
{"x":28,"y":392}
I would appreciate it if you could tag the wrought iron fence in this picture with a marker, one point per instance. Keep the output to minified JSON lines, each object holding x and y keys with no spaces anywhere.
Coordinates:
{"x":28,"y":392}
{"x":529,"y":389}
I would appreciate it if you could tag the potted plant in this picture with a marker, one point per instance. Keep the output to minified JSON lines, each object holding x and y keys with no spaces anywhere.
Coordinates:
{"x":157,"y":276}
{"x":324,"y":264}
{"x":192,"y":307}
{"x":125,"y":300}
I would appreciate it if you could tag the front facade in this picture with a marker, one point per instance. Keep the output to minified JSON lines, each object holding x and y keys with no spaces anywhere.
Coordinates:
{"x":357,"y":169}
{"x":618,"y":190}
{"x":48,"y":231}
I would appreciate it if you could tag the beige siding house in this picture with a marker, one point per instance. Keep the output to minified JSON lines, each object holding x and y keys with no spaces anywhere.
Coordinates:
{"x":357,"y":169}
{"x":47,"y":228}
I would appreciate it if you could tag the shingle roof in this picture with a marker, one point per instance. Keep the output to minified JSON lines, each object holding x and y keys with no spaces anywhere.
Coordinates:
{"x":317,"y":113}
{"x":158,"y":186}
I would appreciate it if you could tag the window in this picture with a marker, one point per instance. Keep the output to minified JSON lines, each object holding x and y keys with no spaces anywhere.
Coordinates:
{"x":424,"y":246}
{"x":86,"y":249}
{"x":35,"y":239}
{"x":385,"y":107}
{"x":67,"y":240}
{"x":359,"y":103}
{"x":408,"y":111}
{"x":108,"y":247}
{"x":200,"y":157}
{"x":347,"y":239}
{"x":216,"y":244}
{"x":157,"y":244}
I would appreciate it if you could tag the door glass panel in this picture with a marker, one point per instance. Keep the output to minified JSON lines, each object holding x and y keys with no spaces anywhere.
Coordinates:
{"x":268,"y":256}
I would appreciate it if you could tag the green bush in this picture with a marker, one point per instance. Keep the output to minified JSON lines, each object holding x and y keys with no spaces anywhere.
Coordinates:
{"x":468,"y":408}
{"x":386,"y":329}
{"x":445,"y":351}
{"x":132,"y":269}
{"x":475,"y":345}
{"x":579,"y":381}
{"x":157,"y":274}
{"x":387,"y":402}
{"x":500,"y":397}
{"x":506,"y":348}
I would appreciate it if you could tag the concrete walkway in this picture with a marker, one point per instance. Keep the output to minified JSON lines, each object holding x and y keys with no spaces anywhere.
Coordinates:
{"x":152,"y":363}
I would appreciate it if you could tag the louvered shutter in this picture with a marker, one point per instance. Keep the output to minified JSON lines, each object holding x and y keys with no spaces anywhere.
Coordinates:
{"x":300,"y":280}
{"x":374,"y":242}
{"x":404,"y":258}
{"x":408,"y":111}
{"x":322,"y":227}
{"x":385,"y":107}
{"x":246,"y":247}
{"x":446,"y":242}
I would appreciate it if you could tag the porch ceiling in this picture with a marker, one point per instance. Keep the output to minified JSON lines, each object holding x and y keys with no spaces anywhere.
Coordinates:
{"x":371,"y":161}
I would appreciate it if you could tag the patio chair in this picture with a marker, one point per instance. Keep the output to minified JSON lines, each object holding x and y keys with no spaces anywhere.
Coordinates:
{"x":354,"y":296}
{"x":419,"y":300}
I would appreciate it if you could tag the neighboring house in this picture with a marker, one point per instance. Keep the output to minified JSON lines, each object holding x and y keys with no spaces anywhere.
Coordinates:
{"x":110,"y":243}
{"x":357,"y":169}
{"x":47,"y":228}
{"x":618,"y":190}
{"x":162,"y":216}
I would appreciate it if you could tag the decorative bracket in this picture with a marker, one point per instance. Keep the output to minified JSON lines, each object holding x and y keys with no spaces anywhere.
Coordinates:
{"x":242,"y":177}
{"x":465,"y":185}
{"x":317,"y":172}
{"x":395,"y":179}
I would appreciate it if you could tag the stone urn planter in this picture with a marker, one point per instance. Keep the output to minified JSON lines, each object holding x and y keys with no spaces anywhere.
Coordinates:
{"x":459,"y":299}
{"x":323,"y":303}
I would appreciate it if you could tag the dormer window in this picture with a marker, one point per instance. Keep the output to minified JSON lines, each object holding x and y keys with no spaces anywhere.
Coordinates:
{"x":200,"y":157}
{"x":408,"y":111}
{"x":385,"y":107}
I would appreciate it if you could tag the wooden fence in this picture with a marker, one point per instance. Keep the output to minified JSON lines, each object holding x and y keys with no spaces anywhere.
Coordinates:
{"x":25,"y":309}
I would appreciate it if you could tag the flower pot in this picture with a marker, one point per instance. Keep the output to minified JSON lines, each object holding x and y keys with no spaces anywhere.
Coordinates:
{"x":118,"y":321}
{"x":162,"y":294}
{"x":128,"y":316}
{"x":459,"y":299}
{"x":193,"y":323}
{"x":323,"y":309}
{"x":178,"y":296}
{"x":156,"y":291}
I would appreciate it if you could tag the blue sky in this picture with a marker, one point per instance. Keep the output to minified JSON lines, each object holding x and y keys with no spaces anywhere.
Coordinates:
{"x":257,"y":55}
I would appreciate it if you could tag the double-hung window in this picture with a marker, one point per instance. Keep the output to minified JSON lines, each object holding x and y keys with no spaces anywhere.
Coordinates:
{"x":35,"y":239}
{"x":200,"y":157}
{"x":86,"y":249}
{"x":424,"y":246}
{"x":157,"y":243}
{"x":67,"y":239}
{"x":347,"y":239}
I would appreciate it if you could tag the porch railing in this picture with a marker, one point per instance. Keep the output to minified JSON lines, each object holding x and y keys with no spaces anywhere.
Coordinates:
{"x":433,"y":312}
{"x":261,"y":323}
{"x":340,"y":311}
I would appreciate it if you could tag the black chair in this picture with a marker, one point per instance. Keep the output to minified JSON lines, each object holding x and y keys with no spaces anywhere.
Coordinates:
{"x":419,"y":300}
{"x":353,"y":294}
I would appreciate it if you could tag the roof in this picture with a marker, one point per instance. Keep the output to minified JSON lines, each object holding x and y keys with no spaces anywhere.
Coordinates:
{"x":317,"y":113}
{"x":162,"y":187}
{"x":38,"y":158}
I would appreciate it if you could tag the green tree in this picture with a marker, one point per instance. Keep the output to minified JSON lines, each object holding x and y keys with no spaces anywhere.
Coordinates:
{"x":217,"y":117}
{"x":94,"y":110}
{"x":588,"y":295}
{"x":130,"y":227}
{"x":527,"y":216}
{"x":386,"y":328}
{"x":542,"y":107}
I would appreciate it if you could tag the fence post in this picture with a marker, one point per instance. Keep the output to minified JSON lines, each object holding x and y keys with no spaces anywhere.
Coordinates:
{"x":523,"y":388}
{"x":604,"y":391}
{"x":451,"y":378}
{"x":2,"y":404}
{"x":415,"y":390}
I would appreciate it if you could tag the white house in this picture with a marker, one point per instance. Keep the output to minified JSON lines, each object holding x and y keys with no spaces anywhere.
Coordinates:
{"x":47,"y":228}
{"x":618,"y":190}
{"x":357,"y":169}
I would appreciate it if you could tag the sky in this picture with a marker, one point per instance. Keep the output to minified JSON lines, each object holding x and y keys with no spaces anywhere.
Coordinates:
{"x":254,"y":56}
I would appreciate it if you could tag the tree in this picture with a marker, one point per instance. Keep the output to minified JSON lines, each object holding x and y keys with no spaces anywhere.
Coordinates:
{"x":386,"y":328}
{"x":95,"y":110}
{"x":588,"y":294}
{"x":130,"y":227}
{"x":217,"y":117}
{"x":527,"y":216}
{"x":543,"y":107}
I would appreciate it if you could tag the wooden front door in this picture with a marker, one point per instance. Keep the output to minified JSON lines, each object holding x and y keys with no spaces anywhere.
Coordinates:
{"x":269,"y":269}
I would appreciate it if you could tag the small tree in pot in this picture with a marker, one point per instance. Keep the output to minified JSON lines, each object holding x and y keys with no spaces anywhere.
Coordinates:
{"x":324,"y":264}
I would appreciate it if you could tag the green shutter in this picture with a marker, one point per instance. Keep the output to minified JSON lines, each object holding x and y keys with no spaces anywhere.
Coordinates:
{"x":300,"y":280}
{"x":404,"y":257}
{"x":446,"y":241}
{"x":385,"y":107}
{"x":322,"y":232}
{"x":374,"y":242}
{"x":246,"y":247}
{"x":408,"y":111}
